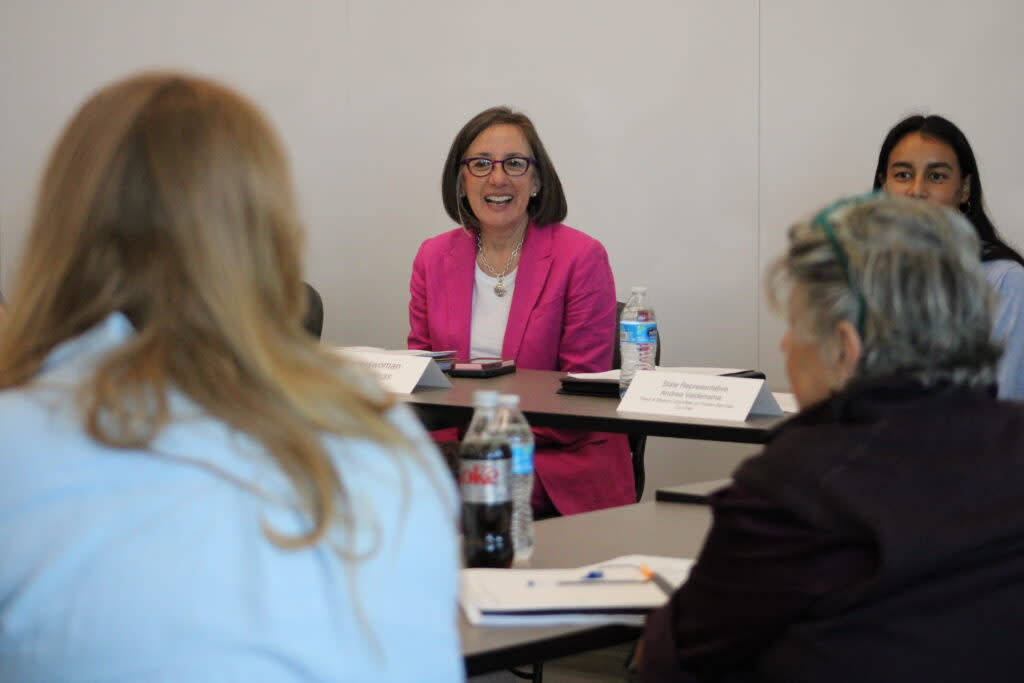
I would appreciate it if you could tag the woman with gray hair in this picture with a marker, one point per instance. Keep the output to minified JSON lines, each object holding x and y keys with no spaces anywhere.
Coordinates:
{"x":879,"y":536}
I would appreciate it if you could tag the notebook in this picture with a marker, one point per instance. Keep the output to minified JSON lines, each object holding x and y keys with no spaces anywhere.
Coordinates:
{"x":620,"y":590}
{"x":607,"y":383}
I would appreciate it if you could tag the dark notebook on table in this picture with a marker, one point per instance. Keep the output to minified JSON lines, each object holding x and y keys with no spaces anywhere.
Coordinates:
{"x":586,"y":386}
{"x":697,"y":492}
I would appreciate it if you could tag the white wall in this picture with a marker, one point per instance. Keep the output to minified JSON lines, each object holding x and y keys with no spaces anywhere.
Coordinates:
{"x":835,"y":76}
{"x":649,"y":110}
{"x":688,"y":134}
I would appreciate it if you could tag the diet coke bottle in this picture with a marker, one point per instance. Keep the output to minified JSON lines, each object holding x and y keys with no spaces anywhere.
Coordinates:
{"x":485,"y":478}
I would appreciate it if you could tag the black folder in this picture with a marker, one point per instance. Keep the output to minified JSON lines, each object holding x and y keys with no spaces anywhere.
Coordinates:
{"x":610,"y":387}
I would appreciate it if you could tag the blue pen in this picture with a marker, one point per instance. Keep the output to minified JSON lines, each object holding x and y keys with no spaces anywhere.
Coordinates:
{"x":597,"y":577}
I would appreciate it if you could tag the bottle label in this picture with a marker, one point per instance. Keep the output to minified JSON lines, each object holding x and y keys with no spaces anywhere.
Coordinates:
{"x":636,"y":332}
{"x":522,"y":458}
{"x":485,"y":481}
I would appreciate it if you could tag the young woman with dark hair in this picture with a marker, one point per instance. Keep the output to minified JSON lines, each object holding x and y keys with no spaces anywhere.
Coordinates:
{"x":929,"y":157}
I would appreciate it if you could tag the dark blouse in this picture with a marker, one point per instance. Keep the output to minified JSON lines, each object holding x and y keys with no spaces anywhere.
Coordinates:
{"x":879,"y":536}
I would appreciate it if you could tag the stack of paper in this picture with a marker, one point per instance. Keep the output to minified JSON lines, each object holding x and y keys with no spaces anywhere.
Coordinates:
{"x":607,"y":383}
{"x":613,"y":375}
{"x":618,"y":590}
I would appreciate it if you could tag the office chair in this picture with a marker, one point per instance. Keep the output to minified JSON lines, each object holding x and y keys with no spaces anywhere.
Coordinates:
{"x":637,"y":442}
{"x":314,"y":320}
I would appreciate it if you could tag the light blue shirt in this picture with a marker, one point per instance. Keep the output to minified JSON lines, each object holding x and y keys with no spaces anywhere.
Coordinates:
{"x":123,"y":565}
{"x":1007,"y":279}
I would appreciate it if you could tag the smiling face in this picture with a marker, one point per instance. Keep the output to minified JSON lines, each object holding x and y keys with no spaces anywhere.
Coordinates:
{"x":499,"y":201}
{"x":926,"y":168}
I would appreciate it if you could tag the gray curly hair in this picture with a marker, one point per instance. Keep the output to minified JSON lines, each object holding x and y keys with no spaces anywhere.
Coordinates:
{"x":907,"y":274}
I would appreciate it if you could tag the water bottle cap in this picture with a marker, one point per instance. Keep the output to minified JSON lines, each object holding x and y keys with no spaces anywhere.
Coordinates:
{"x":485,"y":399}
{"x":509,"y":400}
{"x":639,"y":289}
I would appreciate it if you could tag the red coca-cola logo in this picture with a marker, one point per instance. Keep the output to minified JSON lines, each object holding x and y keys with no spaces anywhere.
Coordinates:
{"x":480,"y":474}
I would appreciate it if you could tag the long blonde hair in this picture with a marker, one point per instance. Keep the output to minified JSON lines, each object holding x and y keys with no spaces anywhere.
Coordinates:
{"x":168,"y":198}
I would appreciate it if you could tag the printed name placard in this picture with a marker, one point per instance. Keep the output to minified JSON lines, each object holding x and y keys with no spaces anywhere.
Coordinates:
{"x":398,"y":373}
{"x":703,"y":396}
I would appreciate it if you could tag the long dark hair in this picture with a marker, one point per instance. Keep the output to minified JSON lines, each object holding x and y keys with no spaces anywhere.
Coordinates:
{"x":547,"y":207}
{"x":936,"y":127}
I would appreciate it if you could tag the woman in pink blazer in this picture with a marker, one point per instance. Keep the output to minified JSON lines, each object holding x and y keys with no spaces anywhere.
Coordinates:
{"x":514,"y":282}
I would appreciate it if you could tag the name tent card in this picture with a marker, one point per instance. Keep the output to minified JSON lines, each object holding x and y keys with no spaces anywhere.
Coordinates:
{"x":399,"y":373}
{"x":708,"y":397}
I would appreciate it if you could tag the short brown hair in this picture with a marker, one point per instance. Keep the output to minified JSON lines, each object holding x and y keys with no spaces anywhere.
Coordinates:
{"x":547,"y":207}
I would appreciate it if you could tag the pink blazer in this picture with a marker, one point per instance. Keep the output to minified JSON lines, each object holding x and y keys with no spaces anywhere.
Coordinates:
{"x":562,"y":317}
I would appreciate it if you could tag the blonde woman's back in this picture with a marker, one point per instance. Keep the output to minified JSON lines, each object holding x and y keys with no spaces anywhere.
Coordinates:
{"x":190,"y":487}
{"x":153,"y":565}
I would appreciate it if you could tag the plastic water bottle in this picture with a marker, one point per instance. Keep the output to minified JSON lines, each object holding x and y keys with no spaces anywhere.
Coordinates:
{"x":520,"y":440}
{"x":638,"y":337}
{"x":485,"y":474}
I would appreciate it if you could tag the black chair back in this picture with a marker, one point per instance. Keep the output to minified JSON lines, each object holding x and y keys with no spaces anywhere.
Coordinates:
{"x":314,"y":320}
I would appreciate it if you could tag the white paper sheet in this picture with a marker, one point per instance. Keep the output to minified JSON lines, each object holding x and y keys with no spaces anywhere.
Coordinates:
{"x":514,"y":596}
{"x":614,"y":374}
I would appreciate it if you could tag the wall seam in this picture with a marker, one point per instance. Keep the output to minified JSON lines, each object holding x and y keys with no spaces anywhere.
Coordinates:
{"x":758,"y":308}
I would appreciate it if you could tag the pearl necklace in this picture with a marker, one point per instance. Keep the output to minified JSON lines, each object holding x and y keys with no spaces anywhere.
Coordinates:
{"x":499,"y":289}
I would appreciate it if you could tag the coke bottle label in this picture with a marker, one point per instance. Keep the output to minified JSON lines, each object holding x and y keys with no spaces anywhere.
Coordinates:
{"x":485,"y":481}
{"x":638,"y":332}
{"x":522,"y":459}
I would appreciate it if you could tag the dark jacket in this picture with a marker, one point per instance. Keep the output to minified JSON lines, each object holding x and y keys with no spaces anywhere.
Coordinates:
{"x":878,"y":537}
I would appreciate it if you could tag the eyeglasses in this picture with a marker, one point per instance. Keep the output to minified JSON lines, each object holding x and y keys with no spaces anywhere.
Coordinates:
{"x":512,"y":166}
{"x":822,"y":221}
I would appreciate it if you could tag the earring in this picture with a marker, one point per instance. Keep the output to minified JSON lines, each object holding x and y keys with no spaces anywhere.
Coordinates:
{"x":534,"y":193}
